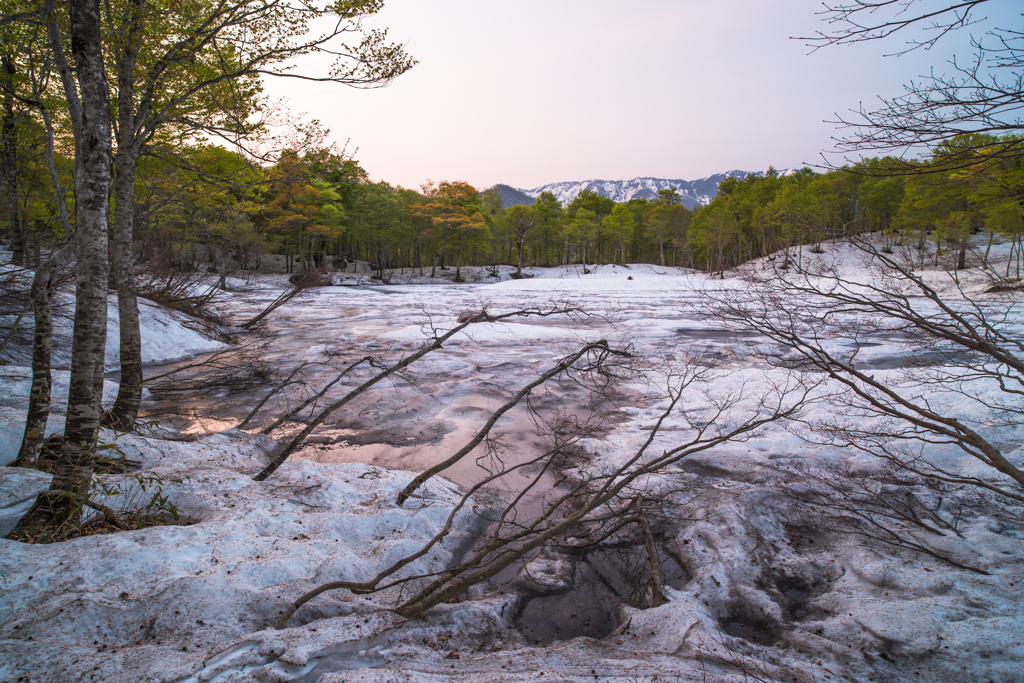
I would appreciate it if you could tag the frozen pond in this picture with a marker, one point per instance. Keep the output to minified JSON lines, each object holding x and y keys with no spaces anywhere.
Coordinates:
{"x":416,"y":420}
{"x":434,"y":408}
{"x":428,"y":412}
{"x":413,"y":421}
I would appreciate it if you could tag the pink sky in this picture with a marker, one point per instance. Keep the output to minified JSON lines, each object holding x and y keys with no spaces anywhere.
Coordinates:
{"x":539,"y":91}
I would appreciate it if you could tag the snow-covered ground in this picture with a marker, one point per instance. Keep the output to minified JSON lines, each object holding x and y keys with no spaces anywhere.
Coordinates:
{"x":770,"y":585}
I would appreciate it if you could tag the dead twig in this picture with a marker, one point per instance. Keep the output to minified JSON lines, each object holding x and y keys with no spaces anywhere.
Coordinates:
{"x":310,"y":279}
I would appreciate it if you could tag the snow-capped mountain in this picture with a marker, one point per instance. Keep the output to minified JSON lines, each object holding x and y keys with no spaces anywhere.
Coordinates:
{"x":693,"y":192}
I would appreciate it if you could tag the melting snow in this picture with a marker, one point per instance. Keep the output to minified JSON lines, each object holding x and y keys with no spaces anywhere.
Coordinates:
{"x":770,"y":587}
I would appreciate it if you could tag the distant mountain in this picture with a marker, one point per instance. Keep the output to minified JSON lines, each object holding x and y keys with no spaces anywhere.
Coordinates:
{"x":510,"y":196}
{"x":693,"y":192}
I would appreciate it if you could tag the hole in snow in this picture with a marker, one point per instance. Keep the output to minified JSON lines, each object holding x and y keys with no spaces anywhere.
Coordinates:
{"x":795,"y":592}
{"x":602,"y":578}
{"x":739,"y":625}
{"x":585,"y":609}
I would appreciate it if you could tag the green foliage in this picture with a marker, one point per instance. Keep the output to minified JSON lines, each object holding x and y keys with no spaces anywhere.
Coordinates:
{"x":667,"y":222}
{"x":548,"y":232}
{"x":715,"y":235}
{"x":119,"y":501}
{"x":591,"y":201}
{"x":583,"y":231}
{"x":381,"y":221}
{"x":206,"y":197}
{"x":457,"y":214}
{"x":670,"y":196}
{"x":618,"y":227}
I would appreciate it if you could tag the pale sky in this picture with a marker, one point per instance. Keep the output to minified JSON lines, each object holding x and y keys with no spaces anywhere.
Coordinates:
{"x":539,"y":91}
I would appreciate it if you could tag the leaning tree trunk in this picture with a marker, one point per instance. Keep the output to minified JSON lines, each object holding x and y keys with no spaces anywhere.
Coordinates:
{"x":988,"y":247}
{"x":39,"y":397}
{"x":93,"y":157}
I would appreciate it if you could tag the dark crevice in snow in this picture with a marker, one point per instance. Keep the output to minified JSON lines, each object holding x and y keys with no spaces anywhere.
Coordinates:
{"x":602,"y":581}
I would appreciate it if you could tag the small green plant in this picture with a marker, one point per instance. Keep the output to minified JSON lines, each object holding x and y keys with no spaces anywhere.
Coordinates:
{"x":141,"y":496}
{"x":139,"y":499}
{"x":121,"y":500}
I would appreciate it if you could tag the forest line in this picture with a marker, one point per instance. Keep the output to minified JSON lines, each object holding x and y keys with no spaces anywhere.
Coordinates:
{"x":208,"y":205}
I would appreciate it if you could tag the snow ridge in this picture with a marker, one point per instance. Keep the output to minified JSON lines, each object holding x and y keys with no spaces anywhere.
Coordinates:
{"x":693,"y":192}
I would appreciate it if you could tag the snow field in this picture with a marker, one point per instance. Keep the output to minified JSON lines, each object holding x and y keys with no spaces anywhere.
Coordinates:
{"x":769,"y":583}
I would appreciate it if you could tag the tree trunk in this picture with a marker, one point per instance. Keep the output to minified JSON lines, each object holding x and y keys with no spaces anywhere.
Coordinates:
{"x":9,"y":164}
{"x":122,"y":253}
{"x":1020,"y":250}
{"x":440,"y":253}
{"x":39,"y":396}
{"x":657,"y":594}
{"x":961,"y":257}
{"x":126,"y":408}
{"x":93,"y":156}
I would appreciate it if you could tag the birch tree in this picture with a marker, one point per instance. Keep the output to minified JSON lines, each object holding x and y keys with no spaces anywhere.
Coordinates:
{"x":88,"y":99}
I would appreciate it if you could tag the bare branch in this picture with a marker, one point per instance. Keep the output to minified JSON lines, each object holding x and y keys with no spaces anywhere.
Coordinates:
{"x":433,"y":345}
{"x":315,"y":397}
{"x":812,"y":314}
{"x":563,"y":366}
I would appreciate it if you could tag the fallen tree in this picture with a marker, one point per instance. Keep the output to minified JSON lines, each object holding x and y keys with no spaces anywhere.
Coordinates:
{"x":433,"y":344}
{"x":963,"y":371}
